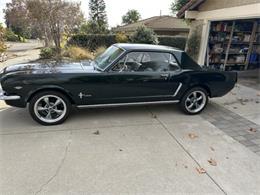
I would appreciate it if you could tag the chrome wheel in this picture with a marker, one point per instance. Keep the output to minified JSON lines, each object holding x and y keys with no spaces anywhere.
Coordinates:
{"x":195,"y":101}
{"x":50,"y":108}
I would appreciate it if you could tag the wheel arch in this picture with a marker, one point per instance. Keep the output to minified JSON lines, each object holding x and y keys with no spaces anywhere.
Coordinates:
{"x":50,"y":88}
{"x":204,"y":86}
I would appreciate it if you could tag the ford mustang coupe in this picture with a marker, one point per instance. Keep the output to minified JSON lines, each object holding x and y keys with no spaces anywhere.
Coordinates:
{"x":125,"y":74}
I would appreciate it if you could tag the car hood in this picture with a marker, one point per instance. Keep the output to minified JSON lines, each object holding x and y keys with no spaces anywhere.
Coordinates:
{"x":50,"y":68}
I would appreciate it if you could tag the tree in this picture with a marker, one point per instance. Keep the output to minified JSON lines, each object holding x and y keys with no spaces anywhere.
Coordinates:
{"x":131,"y":16}
{"x":2,"y":44}
{"x":84,"y":28}
{"x":97,"y":17}
{"x":144,"y":35}
{"x":177,"y":5}
{"x":55,"y":18}
{"x":39,"y":16}
{"x":16,"y":18}
{"x":52,"y":18}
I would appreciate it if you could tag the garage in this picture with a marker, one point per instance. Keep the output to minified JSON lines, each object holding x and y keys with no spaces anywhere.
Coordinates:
{"x":234,"y":44}
{"x":228,"y":31}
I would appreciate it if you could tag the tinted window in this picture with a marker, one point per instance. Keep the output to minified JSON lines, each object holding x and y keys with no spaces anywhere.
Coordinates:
{"x":147,"y":61}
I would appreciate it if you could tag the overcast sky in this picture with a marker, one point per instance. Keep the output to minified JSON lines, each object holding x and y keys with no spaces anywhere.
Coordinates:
{"x":117,"y":8}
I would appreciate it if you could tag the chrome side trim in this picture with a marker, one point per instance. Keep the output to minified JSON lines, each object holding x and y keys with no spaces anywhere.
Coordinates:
{"x":178,"y":89}
{"x":127,"y":104}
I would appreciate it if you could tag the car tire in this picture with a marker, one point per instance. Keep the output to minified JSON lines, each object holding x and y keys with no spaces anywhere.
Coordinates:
{"x":49,"y":108}
{"x":194,"y":101}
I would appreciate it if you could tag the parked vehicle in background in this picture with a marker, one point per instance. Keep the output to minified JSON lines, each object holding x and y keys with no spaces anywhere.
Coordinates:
{"x":125,"y":74}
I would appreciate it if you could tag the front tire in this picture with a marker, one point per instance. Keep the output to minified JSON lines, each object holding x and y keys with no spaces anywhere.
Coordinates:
{"x":194,"y":101}
{"x":49,"y":108}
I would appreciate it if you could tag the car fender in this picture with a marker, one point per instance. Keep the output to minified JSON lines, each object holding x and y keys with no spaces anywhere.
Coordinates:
{"x":49,"y":87}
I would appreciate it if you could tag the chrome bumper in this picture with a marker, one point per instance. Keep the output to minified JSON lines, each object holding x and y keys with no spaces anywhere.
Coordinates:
{"x":10,"y":97}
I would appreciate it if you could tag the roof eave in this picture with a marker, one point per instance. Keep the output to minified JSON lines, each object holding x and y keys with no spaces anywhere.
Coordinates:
{"x":192,"y":4}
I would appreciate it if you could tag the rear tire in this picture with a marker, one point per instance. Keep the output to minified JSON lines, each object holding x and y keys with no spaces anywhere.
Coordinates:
{"x":49,"y":108}
{"x":194,"y":101}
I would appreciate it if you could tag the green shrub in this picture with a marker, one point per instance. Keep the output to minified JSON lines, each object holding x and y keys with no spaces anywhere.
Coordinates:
{"x":2,"y":44}
{"x":47,"y":53}
{"x":193,"y":45}
{"x":92,"y":41}
{"x":144,"y":35}
{"x":100,"y":50}
{"x":121,"y":38}
{"x":11,"y":36}
{"x":2,"y":47}
{"x":78,"y":53}
{"x":173,"y":41}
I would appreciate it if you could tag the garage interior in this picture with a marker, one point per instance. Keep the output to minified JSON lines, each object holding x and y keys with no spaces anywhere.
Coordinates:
{"x":234,"y":45}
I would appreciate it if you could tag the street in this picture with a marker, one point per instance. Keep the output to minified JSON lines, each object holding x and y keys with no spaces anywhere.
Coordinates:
{"x":22,"y":52}
{"x":133,"y":150}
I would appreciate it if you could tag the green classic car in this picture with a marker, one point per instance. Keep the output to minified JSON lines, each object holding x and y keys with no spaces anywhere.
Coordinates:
{"x":125,"y":74}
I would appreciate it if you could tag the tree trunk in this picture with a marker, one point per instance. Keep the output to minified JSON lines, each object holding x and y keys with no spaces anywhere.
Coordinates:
{"x":58,"y":39}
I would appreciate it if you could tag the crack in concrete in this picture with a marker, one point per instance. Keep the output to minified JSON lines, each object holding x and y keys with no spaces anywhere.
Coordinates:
{"x":76,"y":129}
{"x":58,"y":168}
{"x":184,"y":149}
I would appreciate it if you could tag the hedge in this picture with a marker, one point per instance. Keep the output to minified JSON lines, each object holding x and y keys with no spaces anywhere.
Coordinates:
{"x":92,"y":41}
{"x":173,"y":41}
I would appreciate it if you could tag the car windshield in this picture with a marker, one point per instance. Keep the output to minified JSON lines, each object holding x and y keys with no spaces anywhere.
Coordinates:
{"x":106,"y":58}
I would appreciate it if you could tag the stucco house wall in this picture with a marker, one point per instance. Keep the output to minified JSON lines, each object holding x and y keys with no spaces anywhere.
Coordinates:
{"x":209,"y":5}
{"x":195,"y":27}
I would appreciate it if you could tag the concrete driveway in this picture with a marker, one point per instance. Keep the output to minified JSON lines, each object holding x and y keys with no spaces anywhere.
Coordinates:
{"x":131,"y":150}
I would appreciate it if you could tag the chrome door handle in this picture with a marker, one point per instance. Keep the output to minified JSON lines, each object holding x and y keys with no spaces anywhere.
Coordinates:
{"x":165,"y":76}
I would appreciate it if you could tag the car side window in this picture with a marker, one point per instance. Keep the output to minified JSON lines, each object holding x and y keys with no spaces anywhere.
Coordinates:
{"x":173,"y":63}
{"x":147,"y":62}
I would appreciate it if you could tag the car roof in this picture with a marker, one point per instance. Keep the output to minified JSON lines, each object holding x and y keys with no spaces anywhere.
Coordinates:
{"x":148,"y":47}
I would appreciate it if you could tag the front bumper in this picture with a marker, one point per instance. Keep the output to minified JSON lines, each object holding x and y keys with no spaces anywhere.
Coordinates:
{"x":8,"y":97}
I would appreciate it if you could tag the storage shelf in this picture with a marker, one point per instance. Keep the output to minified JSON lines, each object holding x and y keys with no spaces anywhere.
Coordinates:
{"x":214,"y":31}
{"x":236,"y":64}
{"x":233,"y":43}
{"x":243,"y":31}
{"x":236,"y":36}
{"x":228,"y":64}
{"x":224,"y":53}
{"x":240,"y":43}
{"x":215,"y":42}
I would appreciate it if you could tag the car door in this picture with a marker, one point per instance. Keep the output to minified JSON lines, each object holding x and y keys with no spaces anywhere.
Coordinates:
{"x":138,"y":76}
